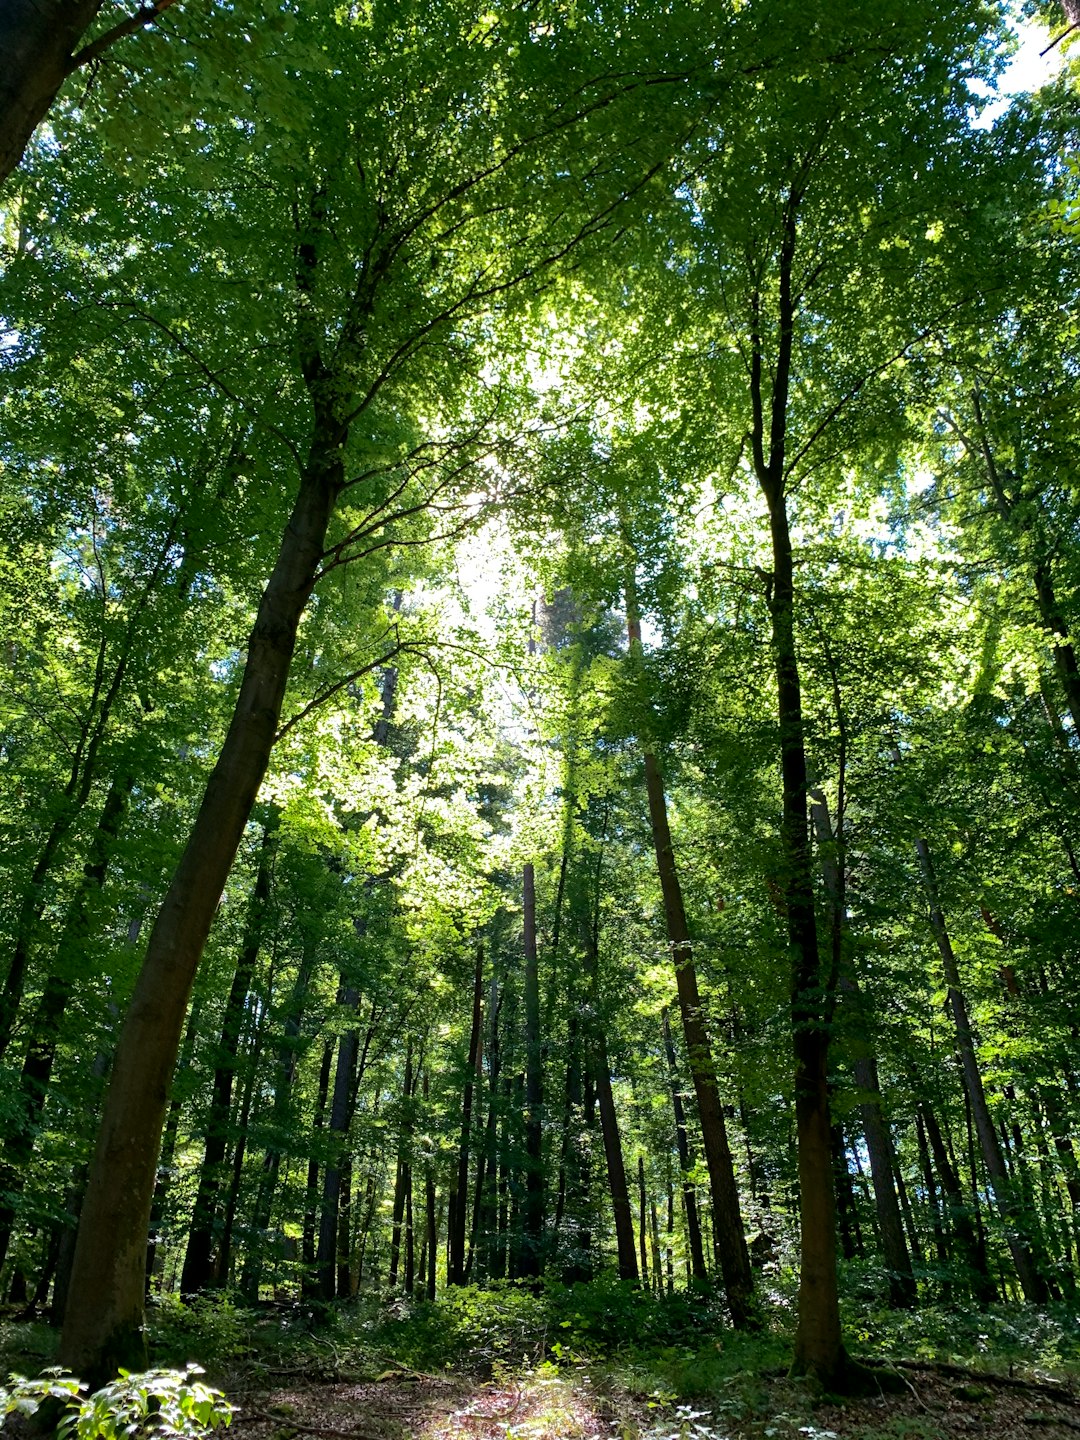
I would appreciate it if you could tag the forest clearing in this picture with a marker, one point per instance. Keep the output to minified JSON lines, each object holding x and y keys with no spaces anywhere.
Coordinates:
{"x":540,"y":718}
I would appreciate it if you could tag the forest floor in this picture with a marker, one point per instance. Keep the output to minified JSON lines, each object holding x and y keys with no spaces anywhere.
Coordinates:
{"x":548,"y":1404}
{"x":603,"y":1362}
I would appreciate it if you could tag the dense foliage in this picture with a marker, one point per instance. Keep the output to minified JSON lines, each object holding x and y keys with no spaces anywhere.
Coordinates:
{"x":539,"y":725}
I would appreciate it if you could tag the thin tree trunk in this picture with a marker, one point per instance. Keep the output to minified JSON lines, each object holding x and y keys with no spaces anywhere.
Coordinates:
{"x":729,"y":1237}
{"x":643,"y":1222}
{"x":459,"y":1197}
{"x":1032,"y":1282}
{"x":968,"y":1236}
{"x":309,"y":1285}
{"x":600,"y":1072}
{"x":284,"y":1075}
{"x":223,"y":1259}
{"x":846,"y":1213}
{"x":36,"y":1073}
{"x":198,"y":1267}
{"x":340,"y":1119}
{"x":698,"y":1270}
{"x":533,"y":1213}
{"x":902,"y":1289}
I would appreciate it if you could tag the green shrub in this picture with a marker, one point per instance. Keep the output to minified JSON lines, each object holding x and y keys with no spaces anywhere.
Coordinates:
{"x":173,"y":1404}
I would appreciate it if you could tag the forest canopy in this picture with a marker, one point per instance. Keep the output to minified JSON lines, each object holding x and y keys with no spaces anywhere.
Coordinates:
{"x":539,"y":709}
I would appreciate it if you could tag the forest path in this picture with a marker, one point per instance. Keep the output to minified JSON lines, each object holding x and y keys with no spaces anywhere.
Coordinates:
{"x":548,"y":1404}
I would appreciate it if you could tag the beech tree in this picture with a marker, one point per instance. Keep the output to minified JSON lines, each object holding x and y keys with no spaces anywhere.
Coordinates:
{"x":738,"y":370}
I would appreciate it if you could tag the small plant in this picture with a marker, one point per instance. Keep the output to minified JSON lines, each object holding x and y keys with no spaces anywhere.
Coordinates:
{"x":173,"y":1404}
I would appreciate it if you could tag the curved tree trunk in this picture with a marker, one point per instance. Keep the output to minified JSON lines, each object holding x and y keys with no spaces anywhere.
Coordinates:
{"x":103,"y":1327}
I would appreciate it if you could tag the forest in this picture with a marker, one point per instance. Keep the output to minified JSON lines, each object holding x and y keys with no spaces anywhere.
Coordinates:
{"x":540,"y":716}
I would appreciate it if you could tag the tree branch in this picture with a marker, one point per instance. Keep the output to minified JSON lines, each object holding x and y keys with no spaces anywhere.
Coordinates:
{"x":145,"y":15}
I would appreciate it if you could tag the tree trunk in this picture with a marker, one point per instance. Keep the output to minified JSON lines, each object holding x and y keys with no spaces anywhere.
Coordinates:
{"x":223,"y":1259}
{"x":459,"y":1198}
{"x":198,"y":1268}
{"x":902,"y":1289}
{"x":340,"y":1119}
{"x":968,"y":1238}
{"x":103,"y":1327}
{"x":533,"y":1212}
{"x":729,"y":1238}
{"x":284,"y":1075}
{"x":42,"y":42}
{"x":601,"y":1076}
{"x":643,"y":1222}
{"x":18,"y":1146}
{"x":699,"y":1273}
{"x":1032,"y":1282}
{"x":309,"y":1285}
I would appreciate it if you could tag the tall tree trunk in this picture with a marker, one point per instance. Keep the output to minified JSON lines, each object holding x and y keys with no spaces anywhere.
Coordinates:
{"x":699,"y":1273}
{"x":309,"y":1287}
{"x":459,"y":1198}
{"x":165,"y":1173}
{"x":643,"y":1222}
{"x":729,"y":1235}
{"x":223,"y":1259}
{"x":36,"y":1073}
{"x":1032,"y":1282}
{"x":847,"y":1214}
{"x":533,"y":1211}
{"x":284,"y":1075}
{"x":968,"y":1237}
{"x":103,"y":1327}
{"x":600,"y":1073}
{"x":198,"y":1267}
{"x":902,"y":1289}
{"x":340,"y":1119}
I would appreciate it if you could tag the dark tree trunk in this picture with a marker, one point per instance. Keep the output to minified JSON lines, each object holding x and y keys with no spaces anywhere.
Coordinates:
{"x":223,"y":1259}
{"x":284,"y":1075}
{"x":533,"y":1210}
{"x":103,"y":1327}
{"x":879,"y":1146}
{"x":43,"y":42}
{"x":819,"y":1348}
{"x":698,"y":1270}
{"x":198,"y":1267}
{"x":340,"y":1119}
{"x":968,"y":1237}
{"x":1032,"y":1282}
{"x":729,"y":1238}
{"x":168,"y":1144}
{"x":846,"y":1211}
{"x":600,"y":1073}
{"x":37,"y":1065}
{"x":309,"y":1286}
{"x":459,"y":1198}
{"x":643,"y":1222}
